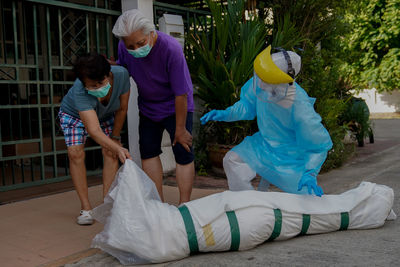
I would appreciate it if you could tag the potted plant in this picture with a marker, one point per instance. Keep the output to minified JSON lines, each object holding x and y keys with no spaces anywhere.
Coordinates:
{"x":357,"y":117}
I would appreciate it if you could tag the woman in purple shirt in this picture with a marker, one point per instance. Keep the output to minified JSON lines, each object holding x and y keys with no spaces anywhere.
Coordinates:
{"x":157,"y":64}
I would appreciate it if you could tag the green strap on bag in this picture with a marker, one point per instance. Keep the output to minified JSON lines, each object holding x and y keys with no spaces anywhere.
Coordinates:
{"x":190,"y":229}
{"x":344,"y":221}
{"x":234,"y":227}
{"x":235,"y":233}
{"x":306,"y":224}
{"x":278,"y":225}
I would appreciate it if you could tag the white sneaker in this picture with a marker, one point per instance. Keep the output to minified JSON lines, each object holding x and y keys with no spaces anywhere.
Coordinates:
{"x":85,"y":218}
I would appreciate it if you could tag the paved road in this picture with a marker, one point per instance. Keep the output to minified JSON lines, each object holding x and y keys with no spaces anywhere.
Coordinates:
{"x":376,"y":247}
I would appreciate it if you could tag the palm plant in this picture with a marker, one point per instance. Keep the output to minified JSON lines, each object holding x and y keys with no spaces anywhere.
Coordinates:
{"x":286,"y":33}
{"x":221,"y":61}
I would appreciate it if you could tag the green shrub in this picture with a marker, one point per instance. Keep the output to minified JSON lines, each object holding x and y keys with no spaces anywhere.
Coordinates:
{"x":321,"y":78}
{"x":221,"y":61}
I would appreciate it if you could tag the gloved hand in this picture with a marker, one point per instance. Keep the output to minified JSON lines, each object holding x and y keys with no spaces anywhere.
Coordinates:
{"x":214,"y":115}
{"x":310,"y":181}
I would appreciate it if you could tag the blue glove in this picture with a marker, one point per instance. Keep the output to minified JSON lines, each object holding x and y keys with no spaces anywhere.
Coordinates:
{"x":214,"y":115}
{"x":310,"y":181}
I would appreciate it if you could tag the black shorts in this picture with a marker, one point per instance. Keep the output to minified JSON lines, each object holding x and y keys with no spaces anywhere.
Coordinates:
{"x":150,"y":137}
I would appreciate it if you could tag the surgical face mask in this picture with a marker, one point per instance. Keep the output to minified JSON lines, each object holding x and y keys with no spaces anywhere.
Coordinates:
{"x":100,"y":92}
{"x":267,"y":92}
{"x":141,"y":51}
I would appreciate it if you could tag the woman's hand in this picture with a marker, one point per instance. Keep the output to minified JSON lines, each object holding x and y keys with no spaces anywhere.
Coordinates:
{"x":91,"y":122}
{"x":118,"y":152}
{"x":183,"y":137}
{"x":123,"y":154}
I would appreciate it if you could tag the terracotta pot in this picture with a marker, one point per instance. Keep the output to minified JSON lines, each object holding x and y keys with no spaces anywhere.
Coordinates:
{"x":216,"y":154}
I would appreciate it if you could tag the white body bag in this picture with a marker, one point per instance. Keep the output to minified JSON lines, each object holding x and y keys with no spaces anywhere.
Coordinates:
{"x":139,"y":228}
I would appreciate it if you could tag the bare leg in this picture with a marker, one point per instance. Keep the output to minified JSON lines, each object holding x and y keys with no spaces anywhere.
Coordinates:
{"x":110,"y":168}
{"x":153,"y":168}
{"x":185,"y":178}
{"x":76,"y":156}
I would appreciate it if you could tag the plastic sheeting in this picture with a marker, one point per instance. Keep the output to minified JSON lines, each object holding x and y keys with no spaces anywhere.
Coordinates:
{"x":291,"y":140}
{"x":141,"y":229}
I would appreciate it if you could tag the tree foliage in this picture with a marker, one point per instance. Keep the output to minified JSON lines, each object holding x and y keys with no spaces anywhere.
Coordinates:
{"x":373,"y":44}
{"x":310,"y":20}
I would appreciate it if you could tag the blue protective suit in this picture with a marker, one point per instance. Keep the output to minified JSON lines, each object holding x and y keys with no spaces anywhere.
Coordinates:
{"x":291,"y":142}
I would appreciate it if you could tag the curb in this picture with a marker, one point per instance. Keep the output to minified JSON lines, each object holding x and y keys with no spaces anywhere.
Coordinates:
{"x":74,"y":258}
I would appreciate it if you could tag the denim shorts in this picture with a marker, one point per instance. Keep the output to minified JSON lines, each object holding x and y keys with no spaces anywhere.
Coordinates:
{"x":74,"y":130}
{"x":150,"y":137}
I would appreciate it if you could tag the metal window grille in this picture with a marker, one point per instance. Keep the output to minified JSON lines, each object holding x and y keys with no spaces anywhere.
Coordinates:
{"x":39,"y":39}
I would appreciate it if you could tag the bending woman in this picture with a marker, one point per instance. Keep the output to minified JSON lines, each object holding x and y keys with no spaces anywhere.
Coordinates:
{"x":96,"y":104}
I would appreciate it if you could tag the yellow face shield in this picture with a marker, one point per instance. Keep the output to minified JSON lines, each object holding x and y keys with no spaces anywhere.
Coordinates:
{"x":267,"y":71}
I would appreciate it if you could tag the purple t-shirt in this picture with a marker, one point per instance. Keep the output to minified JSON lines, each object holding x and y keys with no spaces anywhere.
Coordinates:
{"x":160,"y":76}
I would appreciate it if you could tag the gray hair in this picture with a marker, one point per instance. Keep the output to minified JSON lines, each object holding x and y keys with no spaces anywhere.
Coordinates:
{"x":130,"y":21}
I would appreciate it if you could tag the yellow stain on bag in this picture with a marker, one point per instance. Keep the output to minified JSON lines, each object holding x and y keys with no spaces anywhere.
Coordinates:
{"x":208,"y":235}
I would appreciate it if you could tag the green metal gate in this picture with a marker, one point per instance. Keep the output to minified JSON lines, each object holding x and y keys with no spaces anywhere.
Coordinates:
{"x":39,"y":39}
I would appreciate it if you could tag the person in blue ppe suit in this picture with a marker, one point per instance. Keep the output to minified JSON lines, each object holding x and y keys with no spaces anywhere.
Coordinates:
{"x":291,"y":145}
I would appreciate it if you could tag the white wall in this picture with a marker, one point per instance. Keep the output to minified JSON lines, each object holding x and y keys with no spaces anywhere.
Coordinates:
{"x":133,"y":110}
{"x":145,"y":6}
{"x":133,"y":124}
{"x":380,"y":102}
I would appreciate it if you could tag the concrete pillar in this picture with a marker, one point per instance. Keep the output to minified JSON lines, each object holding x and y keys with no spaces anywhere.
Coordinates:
{"x":146,"y":7}
{"x":133,"y":124}
{"x":167,"y":157}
